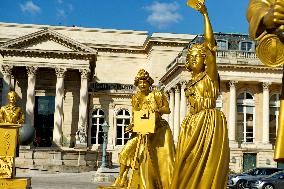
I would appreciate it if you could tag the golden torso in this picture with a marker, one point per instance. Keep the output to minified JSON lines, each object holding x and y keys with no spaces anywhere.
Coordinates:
{"x":201,"y":93}
{"x":11,"y":114}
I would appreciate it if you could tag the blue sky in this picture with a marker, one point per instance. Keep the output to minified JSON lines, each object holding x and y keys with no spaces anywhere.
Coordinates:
{"x":152,"y":16}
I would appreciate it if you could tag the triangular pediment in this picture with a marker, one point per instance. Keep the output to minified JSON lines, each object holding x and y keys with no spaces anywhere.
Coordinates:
{"x":47,"y":40}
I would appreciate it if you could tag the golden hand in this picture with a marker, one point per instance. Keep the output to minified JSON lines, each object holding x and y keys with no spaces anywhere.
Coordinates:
{"x":275,"y":16}
{"x":201,"y":8}
{"x":129,"y":128}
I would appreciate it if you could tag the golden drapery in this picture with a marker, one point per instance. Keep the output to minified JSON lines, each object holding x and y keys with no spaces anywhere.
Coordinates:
{"x":202,"y":158}
{"x":156,"y":155}
{"x":271,"y":55}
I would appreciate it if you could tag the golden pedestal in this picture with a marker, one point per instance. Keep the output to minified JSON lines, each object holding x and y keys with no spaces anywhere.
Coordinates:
{"x":8,"y":144}
{"x":16,"y":183}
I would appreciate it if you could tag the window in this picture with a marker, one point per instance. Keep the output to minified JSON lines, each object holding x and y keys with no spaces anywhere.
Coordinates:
{"x":98,"y":118}
{"x":246,"y":46}
{"x":122,"y":121}
{"x":274,"y":105}
{"x":222,"y":44}
{"x":245,"y":117}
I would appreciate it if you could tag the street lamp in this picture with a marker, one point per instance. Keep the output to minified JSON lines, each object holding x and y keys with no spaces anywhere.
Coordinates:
{"x":105,"y":128}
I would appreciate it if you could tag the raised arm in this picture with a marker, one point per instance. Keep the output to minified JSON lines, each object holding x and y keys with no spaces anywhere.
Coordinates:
{"x":209,"y":40}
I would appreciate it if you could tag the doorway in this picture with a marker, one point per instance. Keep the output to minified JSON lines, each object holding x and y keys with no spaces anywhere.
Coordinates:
{"x":44,"y":120}
{"x":249,"y":161}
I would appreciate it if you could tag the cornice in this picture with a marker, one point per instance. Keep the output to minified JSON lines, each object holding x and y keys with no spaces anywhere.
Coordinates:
{"x":43,"y":35}
{"x":47,"y":54}
{"x":144,"y":50}
{"x":223,"y":67}
{"x":249,"y":67}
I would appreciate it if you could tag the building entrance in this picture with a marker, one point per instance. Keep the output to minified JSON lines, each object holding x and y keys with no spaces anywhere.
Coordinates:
{"x":249,"y":161}
{"x":44,"y":120}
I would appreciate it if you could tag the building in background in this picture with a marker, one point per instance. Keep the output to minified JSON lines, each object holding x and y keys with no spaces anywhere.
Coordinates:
{"x":72,"y":79}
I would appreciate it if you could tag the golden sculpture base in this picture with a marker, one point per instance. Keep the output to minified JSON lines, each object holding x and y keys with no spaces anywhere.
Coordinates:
{"x":15,"y":183}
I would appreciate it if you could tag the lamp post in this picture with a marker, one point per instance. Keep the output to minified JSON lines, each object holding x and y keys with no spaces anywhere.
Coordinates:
{"x":105,"y":128}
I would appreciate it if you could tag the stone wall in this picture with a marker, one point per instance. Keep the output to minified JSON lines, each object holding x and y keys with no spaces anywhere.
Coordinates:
{"x":52,"y":161}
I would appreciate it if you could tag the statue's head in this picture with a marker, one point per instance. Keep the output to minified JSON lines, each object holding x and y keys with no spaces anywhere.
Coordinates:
{"x":12,"y":97}
{"x":195,"y":58}
{"x":143,"y":80}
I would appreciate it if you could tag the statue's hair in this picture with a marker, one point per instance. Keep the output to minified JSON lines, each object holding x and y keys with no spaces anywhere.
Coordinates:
{"x":143,"y":75}
{"x":198,"y":46}
{"x":12,"y":92}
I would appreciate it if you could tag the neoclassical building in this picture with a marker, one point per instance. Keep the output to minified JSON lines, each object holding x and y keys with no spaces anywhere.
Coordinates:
{"x":70,"y":80}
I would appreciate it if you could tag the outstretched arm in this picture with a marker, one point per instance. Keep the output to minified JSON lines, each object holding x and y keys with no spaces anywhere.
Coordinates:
{"x":209,"y":40}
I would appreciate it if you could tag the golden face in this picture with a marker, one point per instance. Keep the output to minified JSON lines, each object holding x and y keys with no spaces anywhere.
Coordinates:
{"x":12,"y":97}
{"x":195,"y":61}
{"x":143,"y":85}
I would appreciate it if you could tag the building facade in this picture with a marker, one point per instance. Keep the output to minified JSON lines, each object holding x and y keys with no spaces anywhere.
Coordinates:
{"x":70,"y":80}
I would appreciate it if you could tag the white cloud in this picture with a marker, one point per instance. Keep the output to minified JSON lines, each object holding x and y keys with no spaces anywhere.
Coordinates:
{"x":70,"y":7}
{"x":163,"y":14}
{"x":61,"y":13}
{"x":30,"y":7}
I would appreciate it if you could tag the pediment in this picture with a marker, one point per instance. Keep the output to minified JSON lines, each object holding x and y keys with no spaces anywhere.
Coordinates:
{"x":47,"y":40}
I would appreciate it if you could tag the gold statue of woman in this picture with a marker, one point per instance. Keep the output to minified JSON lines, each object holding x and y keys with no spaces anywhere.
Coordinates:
{"x":156,"y":166}
{"x":202,"y":155}
{"x":266,"y":25}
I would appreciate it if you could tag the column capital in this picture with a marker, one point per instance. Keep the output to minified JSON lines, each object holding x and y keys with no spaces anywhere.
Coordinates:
{"x":31,"y":70}
{"x":183,"y":84}
{"x":171,"y":91}
{"x":177,"y":89}
{"x":111,"y":106}
{"x":6,"y":69}
{"x":265,"y":85}
{"x":60,"y":72}
{"x":84,"y":73}
{"x":232,"y":83}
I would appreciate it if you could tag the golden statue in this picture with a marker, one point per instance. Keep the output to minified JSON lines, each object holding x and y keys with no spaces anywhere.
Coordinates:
{"x":11,"y":113}
{"x":11,"y":118}
{"x":154,"y":152}
{"x":266,"y":25}
{"x":202,"y":155}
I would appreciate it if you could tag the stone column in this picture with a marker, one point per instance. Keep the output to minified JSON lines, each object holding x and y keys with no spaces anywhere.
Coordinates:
{"x":31,"y":71}
{"x":265,"y":118}
{"x":58,"y":114}
{"x":112,"y":126}
{"x":177,"y":113}
{"x":232,"y":112}
{"x":172,"y":108}
{"x":166,"y":116}
{"x":83,"y":112}
{"x":183,"y":102}
{"x":7,"y":72}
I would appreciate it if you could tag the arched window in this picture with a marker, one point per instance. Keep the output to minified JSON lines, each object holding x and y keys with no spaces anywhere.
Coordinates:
{"x":122,"y":121}
{"x":245,"y":117}
{"x":98,"y":118}
{"x":246,"y":46}
{"x":274,"y":105}
{"x":222,"y":44}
